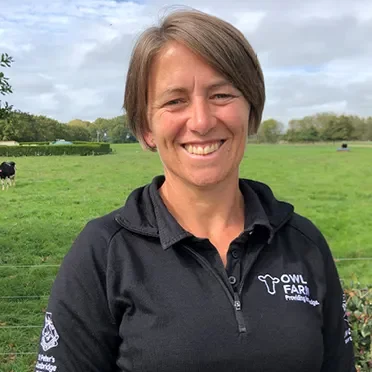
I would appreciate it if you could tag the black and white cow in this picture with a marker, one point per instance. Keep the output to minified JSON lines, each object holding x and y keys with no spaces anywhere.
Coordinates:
{"x":7,"y":174}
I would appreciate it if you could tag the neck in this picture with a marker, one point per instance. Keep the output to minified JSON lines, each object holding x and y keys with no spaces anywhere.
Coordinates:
{"x":203,"y":211}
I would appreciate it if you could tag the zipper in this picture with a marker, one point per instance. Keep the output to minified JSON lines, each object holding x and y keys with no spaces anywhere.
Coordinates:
{"x":234,"y":300}
{"x":238,"y":314}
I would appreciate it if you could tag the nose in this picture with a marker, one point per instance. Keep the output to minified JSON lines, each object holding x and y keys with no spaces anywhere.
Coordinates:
{"x":202,"y":119}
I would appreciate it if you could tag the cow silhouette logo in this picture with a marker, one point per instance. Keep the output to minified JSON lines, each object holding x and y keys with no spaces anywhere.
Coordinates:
{"x":269,"y":282}
{"x":49,"y":335}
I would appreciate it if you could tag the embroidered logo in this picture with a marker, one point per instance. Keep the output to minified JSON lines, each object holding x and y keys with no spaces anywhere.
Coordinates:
{"x":270,"y":282}
{"x":347,"y":335}
{"x":49,"y":335}
{"x":294,"y":286}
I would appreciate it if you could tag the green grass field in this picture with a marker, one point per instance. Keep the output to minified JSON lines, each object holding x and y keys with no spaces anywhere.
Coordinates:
{"x":56,"y":196}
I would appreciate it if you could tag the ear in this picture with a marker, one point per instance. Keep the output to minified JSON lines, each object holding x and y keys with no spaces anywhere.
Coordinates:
{"x":149,"y":139}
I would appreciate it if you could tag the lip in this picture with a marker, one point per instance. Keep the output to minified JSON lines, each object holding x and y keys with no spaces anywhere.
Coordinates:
{"x":205,"y":157}
{"x":203,"y":143}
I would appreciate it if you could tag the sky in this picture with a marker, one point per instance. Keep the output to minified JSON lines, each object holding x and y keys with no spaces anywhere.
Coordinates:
{"x":71,"y":56}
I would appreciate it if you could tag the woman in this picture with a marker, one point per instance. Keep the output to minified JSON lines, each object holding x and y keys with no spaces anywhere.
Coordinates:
{"x":200,"y":270}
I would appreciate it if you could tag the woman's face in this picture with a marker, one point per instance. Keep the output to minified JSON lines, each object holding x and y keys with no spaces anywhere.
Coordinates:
{"x":198,"y":120}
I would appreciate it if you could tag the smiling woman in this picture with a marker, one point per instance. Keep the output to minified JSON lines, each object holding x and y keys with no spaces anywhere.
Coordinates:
{"x":200,"y":270}
{"x":217,"y":43}
{"x":200,"y":126}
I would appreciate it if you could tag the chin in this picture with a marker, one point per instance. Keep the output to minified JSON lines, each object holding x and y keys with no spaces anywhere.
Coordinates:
{"x":206,"y":180}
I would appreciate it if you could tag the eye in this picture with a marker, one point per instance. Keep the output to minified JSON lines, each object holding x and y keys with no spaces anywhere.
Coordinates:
{"x":175,"y":102}
{"x":220,"y":96}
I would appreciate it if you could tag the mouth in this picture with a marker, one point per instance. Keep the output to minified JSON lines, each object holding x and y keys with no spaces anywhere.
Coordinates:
{"x":203,"y":149}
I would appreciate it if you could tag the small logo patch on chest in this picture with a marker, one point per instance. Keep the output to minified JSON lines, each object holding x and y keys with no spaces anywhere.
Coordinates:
{"x":293,"y":286}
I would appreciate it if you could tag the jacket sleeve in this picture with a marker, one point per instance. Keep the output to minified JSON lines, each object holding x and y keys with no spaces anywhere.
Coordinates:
{"x":338,"y":345}
{"x":79,"y":332}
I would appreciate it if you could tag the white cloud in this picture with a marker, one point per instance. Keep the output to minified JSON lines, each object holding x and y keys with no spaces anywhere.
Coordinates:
{"x":84,"y":97}
{"x":71,"y":56}
{"x":248,"y":21}
{"x":46,"y":101}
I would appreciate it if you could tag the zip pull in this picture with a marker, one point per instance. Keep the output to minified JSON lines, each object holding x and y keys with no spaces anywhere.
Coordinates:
{"x":237,"y":303}
{"x":238,"y":314}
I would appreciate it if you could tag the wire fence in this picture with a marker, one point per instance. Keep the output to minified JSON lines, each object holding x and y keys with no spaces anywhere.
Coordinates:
{"x":354,"y":259}
{"x":38,"y":326}
{"x":56,"y":265}
{"x":29,"y":353}
{"x":26,"y":266}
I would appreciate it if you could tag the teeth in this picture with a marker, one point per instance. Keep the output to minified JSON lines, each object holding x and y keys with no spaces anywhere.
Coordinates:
{"x":198,"y":150}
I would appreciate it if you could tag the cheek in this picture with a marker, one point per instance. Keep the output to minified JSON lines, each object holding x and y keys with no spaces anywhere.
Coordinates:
{"x":165,"y":130}
{"x":237,"y":121}
{"x":236,"y":116}
{"x":167,"y":126}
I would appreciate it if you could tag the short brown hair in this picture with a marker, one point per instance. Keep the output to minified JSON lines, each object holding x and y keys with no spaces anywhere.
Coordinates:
{"x":219,"y":43}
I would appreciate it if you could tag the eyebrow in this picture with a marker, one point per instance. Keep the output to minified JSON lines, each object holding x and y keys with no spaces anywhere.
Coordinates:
{"x":180,"y":90}
{"x":220,"y":84}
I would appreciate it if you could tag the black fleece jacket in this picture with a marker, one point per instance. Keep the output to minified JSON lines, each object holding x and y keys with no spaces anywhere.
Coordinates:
{"x":137,"y":292}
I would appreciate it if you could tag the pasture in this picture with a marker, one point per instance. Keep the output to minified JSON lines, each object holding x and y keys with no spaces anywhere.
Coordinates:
{"x":56,"y":196}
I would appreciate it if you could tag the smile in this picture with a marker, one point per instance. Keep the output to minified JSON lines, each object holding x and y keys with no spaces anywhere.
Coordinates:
{"x":204,"y":149}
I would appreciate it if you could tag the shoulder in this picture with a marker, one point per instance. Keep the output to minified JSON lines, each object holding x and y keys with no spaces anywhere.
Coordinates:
{"x":310,"y":232}
{"x":105,"y":226}
{"x":98,"y":234}
{"x":92,"y":244}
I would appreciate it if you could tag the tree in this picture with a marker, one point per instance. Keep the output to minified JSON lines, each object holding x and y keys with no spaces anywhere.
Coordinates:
{"x":20,"y":126}
{"x":344,"y":128}
{"x":309,"y":134}
{"x":338,"y":129}
{"x":112,"y":130}
{"x":270,"y":131}
{"x":327,"y":126}
{"x":292,"y":135}
{"x":368,"y":131}
{"x":360,"y":128}
{"x":79,"y":123}
{"x":5,"y":87}
{"x":119,"y":132}
{"x":309,"y":128}
{"x":76,"y":133}
{"x":48,"y":129}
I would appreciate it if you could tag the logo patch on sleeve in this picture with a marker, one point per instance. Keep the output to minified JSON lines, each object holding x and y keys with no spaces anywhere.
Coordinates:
{"x":49,"y":335}
{"x":347,"y":335}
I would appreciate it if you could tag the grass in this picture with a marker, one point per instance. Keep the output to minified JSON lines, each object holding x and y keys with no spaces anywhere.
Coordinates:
{"x":56,"y":196}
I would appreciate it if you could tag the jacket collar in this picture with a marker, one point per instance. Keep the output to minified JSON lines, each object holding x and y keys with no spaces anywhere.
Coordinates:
{"x":145,"y":213}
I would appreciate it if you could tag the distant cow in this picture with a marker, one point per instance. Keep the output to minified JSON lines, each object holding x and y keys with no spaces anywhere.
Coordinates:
{"x":7,"y":174}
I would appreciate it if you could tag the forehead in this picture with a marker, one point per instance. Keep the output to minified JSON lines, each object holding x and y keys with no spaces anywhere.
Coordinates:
{"x":177,"y":65}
